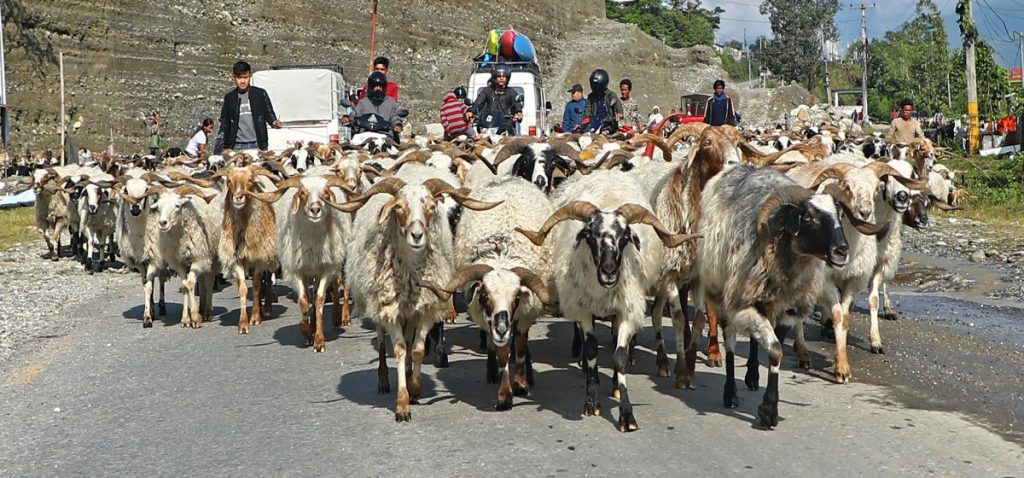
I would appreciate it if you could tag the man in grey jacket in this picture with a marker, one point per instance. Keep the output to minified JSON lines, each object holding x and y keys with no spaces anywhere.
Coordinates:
{"x":379,"y":103}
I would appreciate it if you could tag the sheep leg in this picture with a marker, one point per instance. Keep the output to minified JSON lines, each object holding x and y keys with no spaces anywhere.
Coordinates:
{"x":505,"y":390}
{"x":419,"y":350}
{"x":615,"y":370}
{"x":47,"y":236}
{"x":627,"y":331}
{"x":147,"y":284}
{"x":729,"y":396}
{"x":591,"y":406}
{"x":257,"y":296}
{"x":346,"y":309}
{"x":681,"y":327}
{"x":661,"y":359}
{"x":383,"y":382}
{"x":162,"y":304}
{"x":206,"y":296}
{"x":402,"y":411}
{"x":685,"y":380}
{"x":714,"y":354}
{"x":483,"y":340}
{"x":269,"y":279}
{"x":437,"y":337}
{"x":577,"y":341}
{"x":88,"y":254}
{"x":319,"y":342}
{"x":452,"y":313}
{"x":334,"y":293}
{"x":194,"y":319}
{"x":492,"y":362}
{"x":763,"y":333}
{"x":839,"y":324}
{"x":889,"y":312}
{"x":243,"y":299}
{"x":54,"y":246}
{"x":305,"y":327}
{"x":800,"y":347}
{"x":523,"y":378}
{"x":753,"y":375}
{"x":876,"y":337}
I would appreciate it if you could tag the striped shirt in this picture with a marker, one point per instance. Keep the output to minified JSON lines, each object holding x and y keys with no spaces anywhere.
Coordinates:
{"x":453,"y":116}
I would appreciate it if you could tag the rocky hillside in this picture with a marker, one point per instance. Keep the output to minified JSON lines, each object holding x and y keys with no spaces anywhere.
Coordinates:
{"x":126,"y":58}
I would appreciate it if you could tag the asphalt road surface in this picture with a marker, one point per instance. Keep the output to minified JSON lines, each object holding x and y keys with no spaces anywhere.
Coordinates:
{"x":114,"y":399}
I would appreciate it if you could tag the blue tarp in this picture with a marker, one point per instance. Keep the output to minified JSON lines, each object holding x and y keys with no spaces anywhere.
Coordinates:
{"x":24,"y":198}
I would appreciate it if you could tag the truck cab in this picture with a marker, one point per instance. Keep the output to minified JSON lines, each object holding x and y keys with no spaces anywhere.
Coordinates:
{"x":308,"y":101}
{"x":526,"y":81}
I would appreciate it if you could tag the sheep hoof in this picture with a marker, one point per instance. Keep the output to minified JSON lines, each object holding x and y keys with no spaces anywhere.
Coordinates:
{"x":441,"y":361}
{"x":163,"y":309}
{"x":243,"y":329}
{"x":768,"y":414}
{"x":805,"y":363}
{"x":503,"y":403}
{"x":662,"y":362}
{"x":401,"y":416}
{"x":147,"y":322}
{"x":890,"y":315}
{"x":627,"y":423}
{"x":842,"y":376}
{"x":616,"y":393}
{"x":877,"y":349}
{"x":319,"y":347}
{"x":729,"y":398}
{"x":384,"y":387}
{"x":592,"y":409}
{"x":714,"y":359}
{"x":520,"y":390}
{"x":752,"y":379}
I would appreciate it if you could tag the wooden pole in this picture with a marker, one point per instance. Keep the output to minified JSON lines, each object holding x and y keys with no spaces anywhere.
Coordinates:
{"x":972,"y":87}
{"x":63,"y":131}
{"x":373,"y":34}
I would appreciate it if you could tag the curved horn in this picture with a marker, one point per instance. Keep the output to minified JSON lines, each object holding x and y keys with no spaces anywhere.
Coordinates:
{"x":413,"y":157}
{"x":472,"y":158}
{"x":881,"y":170}
{"x":534,"y":283}
{"x":339,"y":182}
{"x":389,"y":185}
{"x":785,"y":196}
{"x":863,"y":227}
{"x":439,"y":186}
{"x":192,"y":190}
{"x":273,"y":196}
{"x":578,"y":210}
{"x":835,"y":171}
{"x":939,"y":203}
{"x":563,"y":148}
{"x":658,"y":141}
{"x":637,"y":214}
{"x":685,"y":130}
{"x":514,"y":147}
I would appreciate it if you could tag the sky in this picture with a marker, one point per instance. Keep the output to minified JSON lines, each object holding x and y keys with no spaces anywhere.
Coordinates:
{"x":888,"y":15}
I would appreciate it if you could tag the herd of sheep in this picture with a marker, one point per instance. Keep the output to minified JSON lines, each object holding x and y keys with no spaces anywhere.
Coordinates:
{"x":758,"y":228}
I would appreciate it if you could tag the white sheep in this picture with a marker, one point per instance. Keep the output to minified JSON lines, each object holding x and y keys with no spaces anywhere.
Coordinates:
{"x":136,"y":236}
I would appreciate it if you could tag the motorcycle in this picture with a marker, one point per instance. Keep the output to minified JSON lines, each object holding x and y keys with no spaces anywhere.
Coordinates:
{"x":490,"y":123}
{"x":374,"y":132}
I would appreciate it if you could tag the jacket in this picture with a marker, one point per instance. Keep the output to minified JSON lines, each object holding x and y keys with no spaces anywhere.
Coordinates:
{"x":718,"y":120}
{"x":612,"y":104}
{"x":490,"y":100}
{"x":573,"y":115}
{"x":262,"y":115}
{"x":387,"y":108}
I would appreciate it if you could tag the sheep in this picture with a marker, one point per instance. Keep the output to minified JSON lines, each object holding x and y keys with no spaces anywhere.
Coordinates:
{"x":543,"y":164}
{"x":248,"y":236}
{"x":761,"y":263}
{"x":189,"y":231}
{"x":51,"y":208}
{"x":506,"y":276}
{"x":99,"y":218}
{"x":136,"y":235}
{"x":399,"y":238}
{"x":311,"y":243}
{"x":607,"y":277}
{"x":940,"y":182}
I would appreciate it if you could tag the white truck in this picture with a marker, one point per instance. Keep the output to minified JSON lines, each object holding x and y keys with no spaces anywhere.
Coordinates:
{"x":526,"y":81}
{"x":307,"y":100}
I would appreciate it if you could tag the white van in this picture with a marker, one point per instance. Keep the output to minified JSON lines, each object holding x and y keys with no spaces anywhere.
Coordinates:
{"x":307,"y":100}
{"x":526,"y":81}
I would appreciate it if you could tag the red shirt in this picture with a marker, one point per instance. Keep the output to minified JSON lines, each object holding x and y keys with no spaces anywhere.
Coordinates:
{"x":391,"y":90}
{"x":453,"y":114}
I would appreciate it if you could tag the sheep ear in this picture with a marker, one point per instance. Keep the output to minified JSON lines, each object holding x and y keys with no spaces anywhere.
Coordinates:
{"x":634,"y":238}
{"x":385,"y":211}
{"x":580,"y":236}
{"x":792,"y":220}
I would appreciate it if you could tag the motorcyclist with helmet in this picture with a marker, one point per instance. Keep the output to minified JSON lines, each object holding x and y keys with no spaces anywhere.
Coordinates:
{"x":604,"y":109}
{"x":377,"y":102}
{"x":498,"y":97}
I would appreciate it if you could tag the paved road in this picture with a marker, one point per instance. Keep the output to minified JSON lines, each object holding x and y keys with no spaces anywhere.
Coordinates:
{"x":112,"y":398}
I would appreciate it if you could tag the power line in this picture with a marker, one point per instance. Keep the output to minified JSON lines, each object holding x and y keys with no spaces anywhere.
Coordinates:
{"x":996,"y":14}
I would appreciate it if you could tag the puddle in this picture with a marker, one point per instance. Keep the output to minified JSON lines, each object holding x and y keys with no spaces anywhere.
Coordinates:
{"x":957,"y":278}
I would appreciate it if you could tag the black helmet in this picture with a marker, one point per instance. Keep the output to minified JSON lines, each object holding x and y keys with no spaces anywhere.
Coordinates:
{"x":599,"y":80}
{"x":501,"y":69}
{"x":377,"y":79}
{"x":460,"y":92}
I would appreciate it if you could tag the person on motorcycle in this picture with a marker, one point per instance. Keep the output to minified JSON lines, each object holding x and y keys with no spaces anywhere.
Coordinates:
{"x":499,"y":97}
{"x":604,"y":109}
{"x":377,"y":102}
{"x":453,"y":113}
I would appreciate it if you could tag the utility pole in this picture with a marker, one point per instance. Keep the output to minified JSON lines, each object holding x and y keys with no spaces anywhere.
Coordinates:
{"x":864,"y":58}
{"x":949,"y":96}
{"x":373,"y":34}
{"x":63,"y":132}
{"x":750,"y":76}
{"x":4,"y":113}
{"x":1020,"y":40}
{"x":970,"y":34}
{"x":828,"y":54}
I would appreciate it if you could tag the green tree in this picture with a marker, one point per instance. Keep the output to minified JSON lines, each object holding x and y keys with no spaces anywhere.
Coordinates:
{"x":686,"y":25}
{"x":800,"y":28}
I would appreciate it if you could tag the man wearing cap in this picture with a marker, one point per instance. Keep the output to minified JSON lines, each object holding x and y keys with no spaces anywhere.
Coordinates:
{"x":720,"y":109}
{"x":573,"y":115}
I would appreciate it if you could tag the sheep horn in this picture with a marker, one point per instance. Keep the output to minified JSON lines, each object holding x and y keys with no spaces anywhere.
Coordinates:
{"x":340,"y":183}
{"x":514,"y":147}
{"x":414,"y":157}
{"x":578,"y":210}
{"x":785,"y":196}
{"x":835,"y":171}
{"x":863,"y":227}
{"x":657,"y":140}
{"x":439,"y":186}
{"x":466,"y":274}
{"x":389,"y":185}
{"x":685,"y":130}
{"x":882,"y":170}
{"x":192,"y":190}
{"x":563,"y":148}
{"x":939,"y":203}
{"x":273,"y":196}
{"x":477,"y":158}
{"x":637,"y":214}
{"x":534,"y":283}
